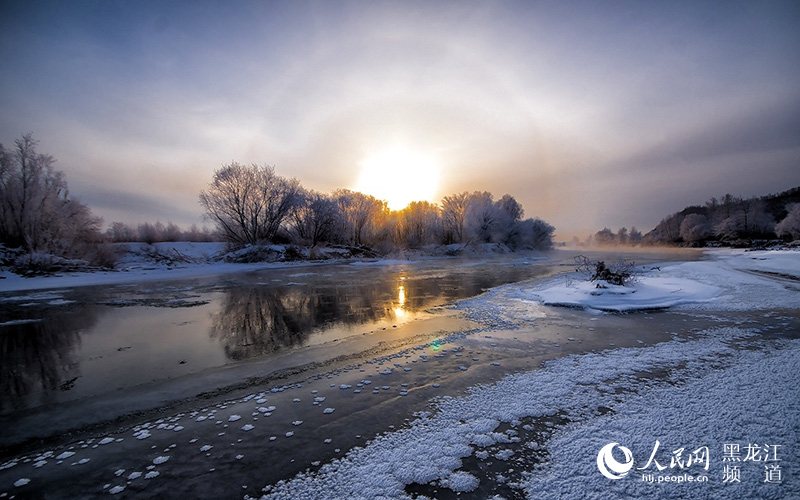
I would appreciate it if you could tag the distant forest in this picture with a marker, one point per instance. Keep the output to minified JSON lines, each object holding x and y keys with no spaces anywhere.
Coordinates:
{"x":724,"y":221}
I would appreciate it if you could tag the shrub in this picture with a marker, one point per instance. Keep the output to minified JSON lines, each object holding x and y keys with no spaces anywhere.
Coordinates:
{"x":620,"y":273}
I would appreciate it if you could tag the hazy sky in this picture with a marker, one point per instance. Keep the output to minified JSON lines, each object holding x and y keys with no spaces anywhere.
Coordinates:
{"x":592,"y":114}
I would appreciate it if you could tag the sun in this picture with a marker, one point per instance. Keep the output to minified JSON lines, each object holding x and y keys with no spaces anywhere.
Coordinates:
{"x":399,"y":176}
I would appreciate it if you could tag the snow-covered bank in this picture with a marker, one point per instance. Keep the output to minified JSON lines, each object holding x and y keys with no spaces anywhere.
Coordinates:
{"x":432,"y":449}
{"x":725,"y":387}
{"x":718,"y":284}
{"x":649,"y":292}
{"x":141,"y":262}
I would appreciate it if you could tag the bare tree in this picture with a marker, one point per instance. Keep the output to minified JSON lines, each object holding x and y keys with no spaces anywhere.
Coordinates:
{"x":314,"y":217}
{"x":361,"y":216}
{"x":249,"y":203}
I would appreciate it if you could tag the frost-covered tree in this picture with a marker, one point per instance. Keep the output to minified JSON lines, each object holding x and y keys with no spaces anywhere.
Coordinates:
{"x":746,"y":219}
{"x":635,"y":236}
{"x":510,"y":207}
{"x":249,"y":203}
{"x":695,"y":228}
{"x":532,"y":234}
{"x":362,"y":217}
{"x":314,"y":217}
{"x":419,"y":224}
{"x":789,"y":227}
{"x":622,"y":236}
{"x":605,"y":237}
{"x":454,"y":209}
{"x":36,"y":211}
{"x":482,"y":217}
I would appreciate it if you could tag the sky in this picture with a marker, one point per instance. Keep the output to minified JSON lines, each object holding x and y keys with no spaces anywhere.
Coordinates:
{"x":591,"y":114}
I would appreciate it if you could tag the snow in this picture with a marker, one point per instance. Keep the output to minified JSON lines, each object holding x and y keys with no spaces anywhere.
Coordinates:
{"x":135,"y":268}
{"x":432,"y":448}
{"x":461,"y":482}
{"x":647,"y":293}
{"x":726,"y":283}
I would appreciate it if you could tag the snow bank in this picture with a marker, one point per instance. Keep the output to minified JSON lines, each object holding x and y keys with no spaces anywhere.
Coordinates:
{"x":739,"y":405}
{"x":723,"y":284}
{"x":705,"y":411}
{"x":780,"y":262}
{"x":647,"y":293}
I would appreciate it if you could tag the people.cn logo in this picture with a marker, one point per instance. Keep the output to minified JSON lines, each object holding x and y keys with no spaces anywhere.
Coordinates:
{"x":609,"y":466}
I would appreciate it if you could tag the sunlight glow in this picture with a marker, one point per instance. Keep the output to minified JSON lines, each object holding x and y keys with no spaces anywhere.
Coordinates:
{"x":399,"y":176}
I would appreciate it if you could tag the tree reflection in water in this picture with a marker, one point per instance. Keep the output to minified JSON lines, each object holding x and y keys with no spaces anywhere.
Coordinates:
{"x":259,"y":320}
{"x":38,"y":356}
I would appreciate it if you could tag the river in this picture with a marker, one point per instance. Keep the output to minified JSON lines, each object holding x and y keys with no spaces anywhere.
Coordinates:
{"x":369,"y":343}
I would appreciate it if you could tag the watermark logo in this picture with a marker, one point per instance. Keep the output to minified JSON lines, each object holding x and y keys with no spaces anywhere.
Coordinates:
{"x":609,"y":466}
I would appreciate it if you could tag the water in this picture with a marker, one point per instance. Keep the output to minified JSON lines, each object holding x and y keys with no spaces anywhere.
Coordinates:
{"x":60,"y":346}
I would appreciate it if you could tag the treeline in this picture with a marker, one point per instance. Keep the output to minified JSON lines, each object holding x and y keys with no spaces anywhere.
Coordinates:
{"x":607,"y":237}
{"x":726,"y":221}
{"x":119,"y":232}
{"x":251,"y":204}
{"x":731,"y":220}
{"x":43,"y":229}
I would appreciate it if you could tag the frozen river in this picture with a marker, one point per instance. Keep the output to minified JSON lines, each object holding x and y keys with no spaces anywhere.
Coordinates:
{"x":216,"y":387}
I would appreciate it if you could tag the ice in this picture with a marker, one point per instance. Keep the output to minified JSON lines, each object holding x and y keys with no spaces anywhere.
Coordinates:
{"x":248,"y":427}
{"x":328,"y":410}
{"x":21,"y":482}
{"x":234,"y":418}
{"x":142,"y":434}
{"x":160,"y":460}
{"x":65,"y":455}
{"x":116,"y":489}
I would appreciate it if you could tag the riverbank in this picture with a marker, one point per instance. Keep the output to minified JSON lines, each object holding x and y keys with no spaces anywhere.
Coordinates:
{"x":142,"y":262}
